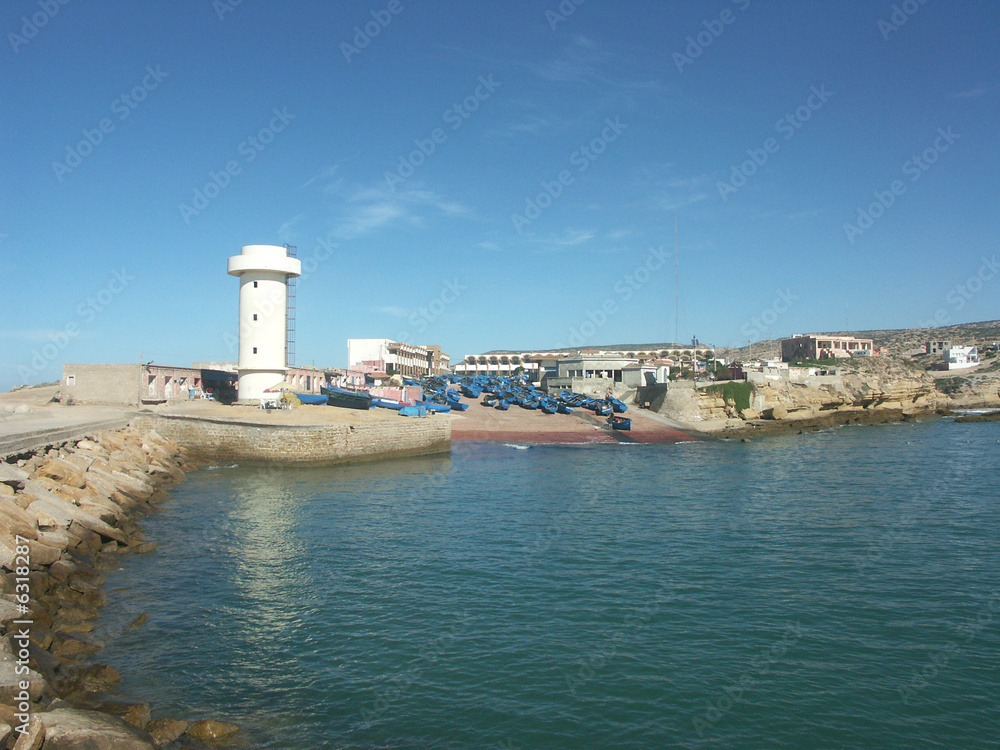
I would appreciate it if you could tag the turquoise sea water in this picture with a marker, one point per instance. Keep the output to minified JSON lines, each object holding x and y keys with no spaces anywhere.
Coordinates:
{"x":831,"y":590}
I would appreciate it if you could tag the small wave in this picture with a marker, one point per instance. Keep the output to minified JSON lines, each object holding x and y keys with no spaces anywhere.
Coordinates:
{"x":224,"y":466}
{"x":516,"y":446}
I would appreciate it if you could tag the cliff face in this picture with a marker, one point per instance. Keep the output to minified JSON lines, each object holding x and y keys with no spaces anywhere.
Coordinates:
{"x":885,"y":384}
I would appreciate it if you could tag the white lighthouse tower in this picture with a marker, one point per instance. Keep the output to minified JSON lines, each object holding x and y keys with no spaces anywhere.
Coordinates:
{"x":264,"y":271}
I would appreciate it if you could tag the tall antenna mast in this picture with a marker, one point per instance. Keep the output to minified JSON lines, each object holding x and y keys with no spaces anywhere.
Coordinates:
{"x":677,"y":286}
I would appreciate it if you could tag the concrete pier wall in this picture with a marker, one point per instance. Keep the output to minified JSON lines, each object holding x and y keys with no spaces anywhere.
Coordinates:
{"x":301,"y":445}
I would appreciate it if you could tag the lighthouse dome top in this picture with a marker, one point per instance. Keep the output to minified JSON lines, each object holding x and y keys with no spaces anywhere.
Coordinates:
{"x":264,"y":258}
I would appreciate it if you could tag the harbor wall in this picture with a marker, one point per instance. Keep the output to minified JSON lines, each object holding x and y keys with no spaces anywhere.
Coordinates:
{"x":301,"y":445}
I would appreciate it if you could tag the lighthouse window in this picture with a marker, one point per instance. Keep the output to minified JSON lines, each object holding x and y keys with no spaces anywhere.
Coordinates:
{"x":255,"y":350}
{"x":255,"y":285}
{"x":255,"y":316}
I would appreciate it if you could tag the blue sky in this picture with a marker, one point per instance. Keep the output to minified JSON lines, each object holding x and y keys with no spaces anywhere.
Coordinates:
{"x":492,"y":174}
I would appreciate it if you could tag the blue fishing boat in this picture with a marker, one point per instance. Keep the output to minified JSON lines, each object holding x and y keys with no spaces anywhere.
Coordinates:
{"x":619,"y":407}
{"x":490,"y":400}
{"x":564,"y":409}
{"x":388,"y":403}
{"x":431,"y":406}
{"x":502,"y":405}
{"x":602,"y":410}
{"x":311,"y":398}
{"x":413,"y":411}
{"x":620,"y":423}
{"x":346,"y":399}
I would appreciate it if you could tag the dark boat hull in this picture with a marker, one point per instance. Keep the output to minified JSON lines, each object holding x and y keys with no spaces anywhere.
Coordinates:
{"x":346,"y":399}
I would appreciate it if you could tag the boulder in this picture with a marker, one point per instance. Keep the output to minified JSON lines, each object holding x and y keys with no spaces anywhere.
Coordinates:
{"x":165,"y":731}
{"x":10,"y":473}
{"x":779,"y":412}
{"x":66,"y":513}
{"x":10,"y":679}
{"x":33,"y":738}
{"x":749,"y":414}
{"x":62,"y":471}
{"x":76,"y":728}
{"x":208,"y":730}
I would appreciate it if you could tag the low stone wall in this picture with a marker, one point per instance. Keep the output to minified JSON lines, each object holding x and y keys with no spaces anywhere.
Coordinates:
{"x":302,"y":445}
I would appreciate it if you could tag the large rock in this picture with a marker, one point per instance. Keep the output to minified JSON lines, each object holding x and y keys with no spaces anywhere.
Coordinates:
{"x":62,"y":471}
{"x":78,"y":729}
{"x":10,"y":680}
{"x":33,"y":738}
{"x":66,"y":513}
{"x":208,"y":730}
{"x":165,"y":731}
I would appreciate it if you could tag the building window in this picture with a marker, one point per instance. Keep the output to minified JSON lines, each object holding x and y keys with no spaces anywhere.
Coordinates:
{"x":255,"y":285}
{"x":255,"y":350}
{"x":255,"y":316}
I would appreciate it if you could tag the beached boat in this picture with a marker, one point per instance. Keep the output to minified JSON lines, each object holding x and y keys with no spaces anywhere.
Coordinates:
{"x":413,"y":411}
{"x":620,"y":423}
{"x":431,"y":406}
{"x":564,"y":409}
{"x":619,"y":407}
{"x":549,"y":406}
{"x":502,"y":405}
{"x":311,"y":398}
{"x":388,"y":403}
{"x":346,"y":399}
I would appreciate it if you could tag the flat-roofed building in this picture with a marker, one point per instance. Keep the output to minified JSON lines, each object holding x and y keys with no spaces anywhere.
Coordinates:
{"x":822,"y":346}
{"x":397,"y":357}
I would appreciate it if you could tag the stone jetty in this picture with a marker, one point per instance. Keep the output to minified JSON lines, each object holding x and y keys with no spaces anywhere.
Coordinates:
{"x":67,"y":512}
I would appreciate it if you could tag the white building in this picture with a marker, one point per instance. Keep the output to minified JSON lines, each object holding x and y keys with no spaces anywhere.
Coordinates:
{"x":396,"y":357}
{"x":263,"y":271}
{"x":960,"y":357}
{"x":535,"y":363}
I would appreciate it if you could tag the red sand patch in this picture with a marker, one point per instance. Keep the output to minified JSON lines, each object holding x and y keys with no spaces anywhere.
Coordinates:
{"x":525,"y":426}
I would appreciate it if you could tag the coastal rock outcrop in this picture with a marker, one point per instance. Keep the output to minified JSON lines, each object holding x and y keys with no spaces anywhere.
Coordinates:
{"x":66,"y":512}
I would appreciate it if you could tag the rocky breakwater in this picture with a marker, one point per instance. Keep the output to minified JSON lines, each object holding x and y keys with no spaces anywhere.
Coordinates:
{"x":66,"y":514}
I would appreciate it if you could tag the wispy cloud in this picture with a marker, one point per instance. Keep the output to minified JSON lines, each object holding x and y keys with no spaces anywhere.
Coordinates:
{"x":285,"y":230}
{"x":325,"y":176}
{"x":971,"y":93}
{"x":362,"y":209}
{"x":396,"y":312}
{"x":490,"y":246}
